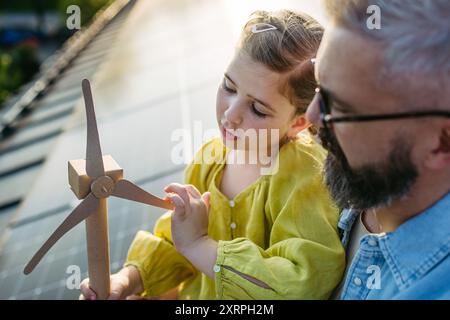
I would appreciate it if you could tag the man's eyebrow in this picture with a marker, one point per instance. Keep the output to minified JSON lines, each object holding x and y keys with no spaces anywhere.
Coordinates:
{"x":268,"y":106}
{"x":338,"y":100}
{"x":328,"y":92}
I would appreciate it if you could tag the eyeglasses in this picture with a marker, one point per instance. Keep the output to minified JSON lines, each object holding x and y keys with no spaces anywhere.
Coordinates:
{"x":326,"y":101}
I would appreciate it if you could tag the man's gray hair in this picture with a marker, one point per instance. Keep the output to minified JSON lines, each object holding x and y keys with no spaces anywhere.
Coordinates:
{"x":414,"y":33}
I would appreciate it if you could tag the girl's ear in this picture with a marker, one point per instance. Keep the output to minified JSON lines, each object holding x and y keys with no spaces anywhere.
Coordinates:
{"x":298,"y":124}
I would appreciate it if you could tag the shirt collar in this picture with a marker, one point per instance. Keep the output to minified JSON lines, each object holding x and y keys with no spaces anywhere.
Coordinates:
{"x":347,"y":219}
{"x":345,"y":224}
{"x":419,"y":244}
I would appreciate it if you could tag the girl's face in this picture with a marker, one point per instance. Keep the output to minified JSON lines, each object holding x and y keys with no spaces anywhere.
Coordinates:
{"x":249,"y":100}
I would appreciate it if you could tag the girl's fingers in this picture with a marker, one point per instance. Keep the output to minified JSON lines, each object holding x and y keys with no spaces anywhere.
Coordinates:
{"x":193,"y":191}
{"x":176,"y":200}
{"x":178,"y":203}
{"x":173,"y":186}
{"x":86,"y":291}
{"x":116,"y":291}
{"x":205,"y":197}
{"x":179,"y":190}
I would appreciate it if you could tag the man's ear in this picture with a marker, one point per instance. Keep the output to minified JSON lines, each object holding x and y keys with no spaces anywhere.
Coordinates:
{"x":298,"y":124}
{"x":440,"y":157}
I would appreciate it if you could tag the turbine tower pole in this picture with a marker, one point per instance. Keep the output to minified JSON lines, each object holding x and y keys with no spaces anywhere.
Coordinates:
{"x":98,"y":250}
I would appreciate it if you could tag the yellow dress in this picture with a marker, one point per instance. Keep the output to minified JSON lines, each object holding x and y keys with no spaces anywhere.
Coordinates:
{"x":280,"y":230}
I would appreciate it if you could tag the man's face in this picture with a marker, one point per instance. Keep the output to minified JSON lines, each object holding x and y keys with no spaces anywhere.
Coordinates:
{"x":370,"y":164}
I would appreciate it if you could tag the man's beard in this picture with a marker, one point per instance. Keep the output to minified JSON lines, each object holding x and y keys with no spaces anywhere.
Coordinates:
{"x":370,"y":186}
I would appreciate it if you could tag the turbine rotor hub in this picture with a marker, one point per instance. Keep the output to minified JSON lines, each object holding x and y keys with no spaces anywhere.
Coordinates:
{"x":102,"y":187}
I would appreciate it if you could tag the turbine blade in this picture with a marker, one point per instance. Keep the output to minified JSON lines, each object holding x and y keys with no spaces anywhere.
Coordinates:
{"x":128,"y":190}
{"x":94,"y":160}
{"x":87,"y":207}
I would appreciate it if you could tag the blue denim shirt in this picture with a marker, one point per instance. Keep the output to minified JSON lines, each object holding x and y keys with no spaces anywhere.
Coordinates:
{"x":413,"y":262}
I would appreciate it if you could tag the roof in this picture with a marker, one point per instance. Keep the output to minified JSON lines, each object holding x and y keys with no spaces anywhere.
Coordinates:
{"x":154,"y":69}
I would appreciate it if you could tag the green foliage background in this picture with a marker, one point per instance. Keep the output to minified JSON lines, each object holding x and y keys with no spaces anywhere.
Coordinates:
{"x":19,"y":64}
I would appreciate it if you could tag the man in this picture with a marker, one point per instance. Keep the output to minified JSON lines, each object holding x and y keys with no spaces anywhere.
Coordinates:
{"x":383,"y":108}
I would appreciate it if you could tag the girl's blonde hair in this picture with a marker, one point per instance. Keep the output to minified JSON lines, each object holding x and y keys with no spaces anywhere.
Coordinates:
{"x":287,"y":49}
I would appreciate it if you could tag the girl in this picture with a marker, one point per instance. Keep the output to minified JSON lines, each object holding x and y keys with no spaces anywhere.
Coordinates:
{"x":266,"y":236}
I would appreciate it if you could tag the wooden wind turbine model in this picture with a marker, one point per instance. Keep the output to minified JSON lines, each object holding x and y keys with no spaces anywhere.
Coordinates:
{"x":94,"y":180}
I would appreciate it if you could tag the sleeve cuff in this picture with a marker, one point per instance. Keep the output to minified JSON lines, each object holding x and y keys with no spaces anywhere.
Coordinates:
{"x":160,"y":266}
{"x":231,"y":285}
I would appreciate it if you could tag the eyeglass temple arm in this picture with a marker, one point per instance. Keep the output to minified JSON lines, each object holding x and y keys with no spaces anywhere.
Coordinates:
{"x":378,"y":117}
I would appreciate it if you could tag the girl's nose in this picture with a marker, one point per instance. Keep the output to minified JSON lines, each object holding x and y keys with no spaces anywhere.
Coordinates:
{"x":313,"y":112}
{"x":233,"y":114}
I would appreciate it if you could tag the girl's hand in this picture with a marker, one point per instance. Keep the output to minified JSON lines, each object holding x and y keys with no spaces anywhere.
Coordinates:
{"x":190,"y":217}
{"x":125,"y":283}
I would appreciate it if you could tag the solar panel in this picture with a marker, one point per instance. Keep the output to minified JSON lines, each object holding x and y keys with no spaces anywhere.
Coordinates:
{"x":4,"y":220}
{"x":8,"y":193}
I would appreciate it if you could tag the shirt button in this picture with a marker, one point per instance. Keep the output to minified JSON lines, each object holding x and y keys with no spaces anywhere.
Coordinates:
{"x":357,"y":281}
{"x":232,"y":203}
{"x":233,"y":225}
{"x":216,"y":268}
{"x":372,"y":242}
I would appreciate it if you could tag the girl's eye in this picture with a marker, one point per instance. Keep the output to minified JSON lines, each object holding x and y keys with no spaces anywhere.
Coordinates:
{"x":226,"y":87}
{"x":257,"y":112}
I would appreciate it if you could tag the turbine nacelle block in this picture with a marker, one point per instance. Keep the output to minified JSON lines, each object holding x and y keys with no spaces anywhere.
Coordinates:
{"x":81,"y":183}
